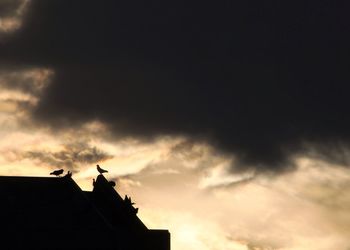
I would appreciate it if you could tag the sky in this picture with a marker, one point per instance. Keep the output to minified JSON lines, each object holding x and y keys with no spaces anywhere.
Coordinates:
{"x":226,"y":122}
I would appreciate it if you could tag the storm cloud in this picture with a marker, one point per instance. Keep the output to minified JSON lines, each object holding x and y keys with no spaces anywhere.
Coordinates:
{"x":9,"y":8}
{"x":256,"y":79}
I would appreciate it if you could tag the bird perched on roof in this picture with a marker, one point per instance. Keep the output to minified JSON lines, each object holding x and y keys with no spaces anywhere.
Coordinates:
{"x":57,"y":172}
{"x":69,"y":174}
{"x":100,"y":170}
{"x":127,"y":200}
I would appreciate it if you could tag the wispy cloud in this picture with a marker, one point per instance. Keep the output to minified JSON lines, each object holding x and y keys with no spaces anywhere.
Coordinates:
{"x":71,"y":156}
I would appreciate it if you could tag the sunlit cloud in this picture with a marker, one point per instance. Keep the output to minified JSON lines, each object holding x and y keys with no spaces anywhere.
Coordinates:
{"x":9,"y":24}
{"x":291,"y":211}
{"x":222,"y":175}
{"x":12,"y":19}
{"x":31,"y":81}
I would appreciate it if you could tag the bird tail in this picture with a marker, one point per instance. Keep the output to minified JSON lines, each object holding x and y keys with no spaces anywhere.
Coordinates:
{"x":52,"y":173}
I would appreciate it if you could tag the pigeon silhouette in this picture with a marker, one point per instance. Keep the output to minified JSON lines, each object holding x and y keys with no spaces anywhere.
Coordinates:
{"x":69,"y":174}
{"x":57,"y":172}
{"x":100,"y":170}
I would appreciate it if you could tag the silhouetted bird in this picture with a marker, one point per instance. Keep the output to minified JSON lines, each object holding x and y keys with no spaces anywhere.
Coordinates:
{"x":68,"y":175}
{"x":57,"y":172}
{"x":127,"y":200}
{"x":130,"y":204}
{"x":100,"y":170}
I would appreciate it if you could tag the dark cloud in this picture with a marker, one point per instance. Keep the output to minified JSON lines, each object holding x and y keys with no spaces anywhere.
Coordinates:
{"x":253,"y":78}
{"x":71,"y":156}
{"x":9,"y":7}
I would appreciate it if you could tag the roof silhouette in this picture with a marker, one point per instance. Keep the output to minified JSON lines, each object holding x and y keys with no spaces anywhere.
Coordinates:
{"x":53,"y":212}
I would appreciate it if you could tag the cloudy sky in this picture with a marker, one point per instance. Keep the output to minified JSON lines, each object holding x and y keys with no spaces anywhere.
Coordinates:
{"x":227,"y":122}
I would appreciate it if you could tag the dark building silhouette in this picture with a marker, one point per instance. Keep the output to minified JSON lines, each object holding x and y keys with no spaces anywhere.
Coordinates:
{"x":54,"y":213}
